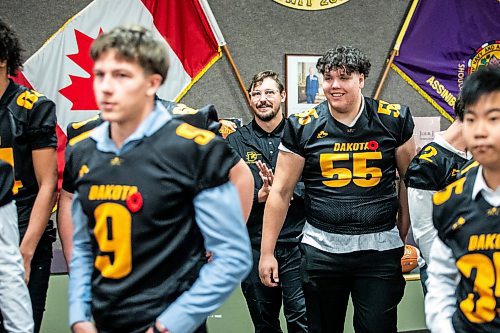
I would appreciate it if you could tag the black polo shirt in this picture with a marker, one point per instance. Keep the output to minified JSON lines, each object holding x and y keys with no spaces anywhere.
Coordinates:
{"x":253,"y":143}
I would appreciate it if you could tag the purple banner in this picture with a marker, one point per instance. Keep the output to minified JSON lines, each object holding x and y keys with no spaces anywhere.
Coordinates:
{"x":447,"y":40}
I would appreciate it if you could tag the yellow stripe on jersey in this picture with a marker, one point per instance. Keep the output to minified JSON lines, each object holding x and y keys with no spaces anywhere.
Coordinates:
{"x":79,"y":138}
{"x":467,"y":168}
{"x":83,"y":123}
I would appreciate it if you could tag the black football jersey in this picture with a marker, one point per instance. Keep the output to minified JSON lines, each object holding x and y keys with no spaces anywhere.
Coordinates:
{"x":205,"y":117}
{"x":146,"y":244}
{"x":6,"y":183}
{"x":471,"y":229}
{"x":350,"y":172}
{"x":434,"y":168}
{"x":27,"y":123}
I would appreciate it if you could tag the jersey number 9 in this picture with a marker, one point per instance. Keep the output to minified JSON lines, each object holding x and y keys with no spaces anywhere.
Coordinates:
{"x":113,"y":232}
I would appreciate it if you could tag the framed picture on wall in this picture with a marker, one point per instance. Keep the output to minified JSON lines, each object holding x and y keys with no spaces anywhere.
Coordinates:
{"x":425,"y":130}
{"x":303,"y":82}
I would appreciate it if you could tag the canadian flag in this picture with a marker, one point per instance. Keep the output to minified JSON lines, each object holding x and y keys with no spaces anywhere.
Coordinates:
{"x":62,"y":68}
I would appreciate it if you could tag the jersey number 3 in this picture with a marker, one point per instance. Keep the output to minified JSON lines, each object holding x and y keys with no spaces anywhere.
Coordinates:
{"x":480,"y":305}
{"x":113,"y":232}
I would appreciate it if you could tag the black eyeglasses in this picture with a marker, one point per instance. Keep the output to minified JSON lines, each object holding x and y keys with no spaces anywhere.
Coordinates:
{"x":268,"y":94}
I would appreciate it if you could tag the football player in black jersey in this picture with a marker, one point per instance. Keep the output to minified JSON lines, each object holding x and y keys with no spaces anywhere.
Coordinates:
{"x":437,"y":165}
{"x":151,"y":193}
{"x":347,"y":150}
{"x":206,"y":117}
{"x":464,"y":281}
{"x":28,"y":142}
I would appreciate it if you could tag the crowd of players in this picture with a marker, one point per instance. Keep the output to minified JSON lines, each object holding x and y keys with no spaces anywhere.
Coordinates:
{"x":155,"y":240}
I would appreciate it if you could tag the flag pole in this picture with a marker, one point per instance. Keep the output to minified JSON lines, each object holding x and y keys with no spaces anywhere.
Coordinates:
{"x":236,"y":73}
{"x":395,"y":50}
{"x":223,"y":45}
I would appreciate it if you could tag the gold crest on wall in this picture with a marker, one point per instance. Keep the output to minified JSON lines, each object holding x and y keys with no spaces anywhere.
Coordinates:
{"x":311,"y":4}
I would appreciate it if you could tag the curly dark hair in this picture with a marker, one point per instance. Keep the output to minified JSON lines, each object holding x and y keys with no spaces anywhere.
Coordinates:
{"x":347,"y":57}
{"x":10,"y":48}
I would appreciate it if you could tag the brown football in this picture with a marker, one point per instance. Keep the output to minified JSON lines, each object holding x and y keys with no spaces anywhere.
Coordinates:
{"x":409,"y":261}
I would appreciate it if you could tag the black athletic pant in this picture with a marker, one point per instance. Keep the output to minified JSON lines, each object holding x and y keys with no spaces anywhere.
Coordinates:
{"x":264,"y":303}
{"x":372,"y":278}
{"x":39,"y":278}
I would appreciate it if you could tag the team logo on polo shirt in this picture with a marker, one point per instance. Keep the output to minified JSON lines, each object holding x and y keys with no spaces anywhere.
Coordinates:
{"x":252,"y":157}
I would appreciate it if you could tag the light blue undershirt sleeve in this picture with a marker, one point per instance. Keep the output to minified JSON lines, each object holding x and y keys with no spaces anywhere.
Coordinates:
{"x":81,"y":266}
{"x":219,"y":217}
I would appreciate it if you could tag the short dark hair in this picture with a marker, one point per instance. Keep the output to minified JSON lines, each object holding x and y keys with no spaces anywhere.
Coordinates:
{"x":259,"y":78}
{"x":10,"y":48}
{"x":134,"y":43}
{"x":346,"y":57}
{"x":485,"y":81}
{"x":459,"y":108}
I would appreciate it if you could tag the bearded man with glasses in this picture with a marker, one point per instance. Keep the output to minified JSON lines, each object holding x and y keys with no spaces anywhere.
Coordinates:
{"x":257,"y":143}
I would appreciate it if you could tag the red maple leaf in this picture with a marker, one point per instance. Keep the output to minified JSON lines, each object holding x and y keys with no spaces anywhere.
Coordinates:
{"x":80,"y":92}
